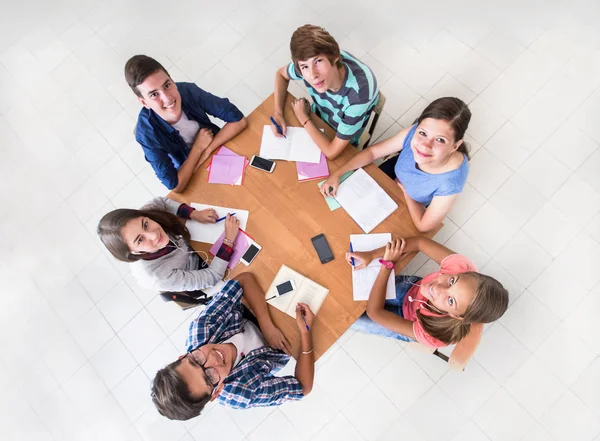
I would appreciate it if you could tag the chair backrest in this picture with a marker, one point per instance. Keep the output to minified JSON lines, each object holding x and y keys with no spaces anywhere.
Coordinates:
{"x":462,"y":352}
{"x":367,"y":134}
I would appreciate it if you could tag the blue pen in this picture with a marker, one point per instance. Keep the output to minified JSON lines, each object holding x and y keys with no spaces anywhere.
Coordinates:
{"x":224,"y":217}
{"x":279,"y":129}
{"x":305,"y":324}
{"x":352,"y":258}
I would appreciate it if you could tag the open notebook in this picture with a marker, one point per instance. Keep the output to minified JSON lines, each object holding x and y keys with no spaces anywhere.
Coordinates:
{"x":364,"y":200}
{"x":306,"y":291}
{"x":209,"y":233}
{"x":364,"y":278}
{"x":298,"y":146}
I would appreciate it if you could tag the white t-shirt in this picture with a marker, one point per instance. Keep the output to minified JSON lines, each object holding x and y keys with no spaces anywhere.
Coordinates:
{"x":187,"y":128}
{"x":246,"y":341}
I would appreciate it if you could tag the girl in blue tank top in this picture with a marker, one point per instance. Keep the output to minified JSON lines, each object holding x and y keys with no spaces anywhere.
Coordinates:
{"x":432,"y":166}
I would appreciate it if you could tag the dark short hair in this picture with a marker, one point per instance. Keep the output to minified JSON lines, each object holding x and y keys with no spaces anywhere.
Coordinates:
{"x":309,"y":41}
{"x":140,"y":67}
{"x":455,"y":112}
{"x":172,"y":397}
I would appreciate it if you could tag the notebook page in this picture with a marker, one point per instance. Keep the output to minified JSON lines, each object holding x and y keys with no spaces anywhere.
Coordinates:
{"x":272,"y":147}
{"x":364,"y":200}
{"x":364,"y":279}
{"x":209,"y":233}
{"x":303,"y":148}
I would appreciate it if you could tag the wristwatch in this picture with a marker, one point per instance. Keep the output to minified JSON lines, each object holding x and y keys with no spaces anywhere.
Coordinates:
{"x":387,"y":263}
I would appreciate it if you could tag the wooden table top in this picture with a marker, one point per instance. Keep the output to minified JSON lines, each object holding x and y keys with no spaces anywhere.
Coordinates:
{"x":285,"y":214}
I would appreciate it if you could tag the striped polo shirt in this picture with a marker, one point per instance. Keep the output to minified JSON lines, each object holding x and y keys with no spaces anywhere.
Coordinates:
{"x":348,"y":109}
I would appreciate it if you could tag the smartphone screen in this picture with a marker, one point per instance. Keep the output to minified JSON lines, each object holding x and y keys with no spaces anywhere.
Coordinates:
{"x":262,"y":163}
{"x":250,"y":253}
{"x":322,"y":248}
{"x":285,"y":287}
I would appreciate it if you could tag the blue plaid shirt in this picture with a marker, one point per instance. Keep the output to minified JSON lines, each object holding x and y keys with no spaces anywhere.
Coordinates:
{"x":251,"y":382}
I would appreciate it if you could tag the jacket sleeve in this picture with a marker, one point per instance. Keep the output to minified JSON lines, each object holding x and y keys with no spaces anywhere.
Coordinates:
{"x":178,"y":280}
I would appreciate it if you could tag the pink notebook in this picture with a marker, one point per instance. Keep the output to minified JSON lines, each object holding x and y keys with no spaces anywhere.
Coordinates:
{"x":240,"y":246}
{"x":307,"y":171}
{"x":225,"y":169}
{"x":226,"y":152}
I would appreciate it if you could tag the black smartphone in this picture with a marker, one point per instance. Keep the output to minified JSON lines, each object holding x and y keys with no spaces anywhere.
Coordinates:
{"x":322,"y":248}
{"x":262,"y":164}
{"x":285,"y":287}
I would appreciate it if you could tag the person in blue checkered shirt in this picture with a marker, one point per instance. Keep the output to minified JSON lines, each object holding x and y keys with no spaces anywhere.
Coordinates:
{"x":232,"y":360}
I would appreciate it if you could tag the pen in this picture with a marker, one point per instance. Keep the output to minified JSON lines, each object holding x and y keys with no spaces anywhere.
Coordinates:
{"x":305,"y":324}
{"x":279,"y":129}
{"x":224,"y":217}
{"x":352,"y":258}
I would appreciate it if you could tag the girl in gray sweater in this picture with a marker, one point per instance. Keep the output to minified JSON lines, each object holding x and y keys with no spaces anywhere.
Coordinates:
{"x":156,"y":242}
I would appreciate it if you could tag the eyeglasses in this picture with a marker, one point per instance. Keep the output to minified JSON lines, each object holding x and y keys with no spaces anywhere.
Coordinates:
{"x":200,"y":360}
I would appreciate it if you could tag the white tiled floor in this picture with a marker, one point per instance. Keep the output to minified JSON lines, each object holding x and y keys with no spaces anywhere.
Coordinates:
{"x":80,"y":341}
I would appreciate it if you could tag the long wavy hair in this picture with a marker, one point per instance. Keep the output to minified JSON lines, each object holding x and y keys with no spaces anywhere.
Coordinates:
{"x":110,"y":226}
{"x":488,"y":305}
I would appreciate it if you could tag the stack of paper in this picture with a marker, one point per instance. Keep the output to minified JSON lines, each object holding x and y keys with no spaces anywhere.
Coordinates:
{"x":297,"y":146}
{"x":240,"y":246}
{"x":224,"y":151}
{"x":228,"y":167}
{"x":306,"y":291}
{"x":364,"y":278}
{"x":364,"y":200}
{"x":209,"y":233}
{"x":307,"y":171}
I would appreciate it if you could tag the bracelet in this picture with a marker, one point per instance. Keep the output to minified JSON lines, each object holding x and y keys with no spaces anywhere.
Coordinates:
{"x":308,"y":352}
{"x":305,"y":122}
{"x":228,"y":241}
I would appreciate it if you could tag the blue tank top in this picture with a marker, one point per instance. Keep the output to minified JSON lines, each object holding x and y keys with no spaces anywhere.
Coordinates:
{"x":421,"y":186}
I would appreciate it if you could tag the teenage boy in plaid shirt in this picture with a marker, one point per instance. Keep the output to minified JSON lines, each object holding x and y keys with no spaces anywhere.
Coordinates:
{"x":230,"y":359}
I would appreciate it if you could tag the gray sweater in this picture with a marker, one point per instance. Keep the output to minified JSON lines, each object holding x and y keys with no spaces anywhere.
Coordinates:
{"x":176,"y":271}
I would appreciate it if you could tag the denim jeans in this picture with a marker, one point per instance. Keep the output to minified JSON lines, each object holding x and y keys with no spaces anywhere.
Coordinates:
{"x":368,"y":326}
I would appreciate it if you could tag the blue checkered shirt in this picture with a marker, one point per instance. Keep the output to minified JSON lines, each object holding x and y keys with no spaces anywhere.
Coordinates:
{"x":251,"y":382}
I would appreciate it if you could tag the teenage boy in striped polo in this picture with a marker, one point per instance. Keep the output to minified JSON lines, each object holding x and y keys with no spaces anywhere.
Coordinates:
{"x":344,"y":90}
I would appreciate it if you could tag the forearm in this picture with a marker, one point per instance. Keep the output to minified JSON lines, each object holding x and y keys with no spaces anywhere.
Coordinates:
{"x":330,"y":148}
{"x":255,"y":297}
{"x":360,"y":160}
{"x":416,"y":211}
{"x":228,"y":131}
{"x":280,"y":92}
{"x":185,"y":172}
{"x":305,"y":363}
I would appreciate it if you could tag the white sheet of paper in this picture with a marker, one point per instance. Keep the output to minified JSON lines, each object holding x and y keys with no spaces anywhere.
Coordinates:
{"x":209,"y":233}
{"x":364,"y":279}
{"x":306,"y":291}
{"x":298,"y":146}
{"x":364,"y":200}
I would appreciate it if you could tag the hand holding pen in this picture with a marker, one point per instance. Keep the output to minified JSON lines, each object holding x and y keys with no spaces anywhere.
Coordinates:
{"x":279,"y":128}
{"x":304,"y":317}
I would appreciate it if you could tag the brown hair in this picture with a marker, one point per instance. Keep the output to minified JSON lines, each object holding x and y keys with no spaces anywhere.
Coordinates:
{"x":109,"y":229}
{"x":488,"y":305}
{"x":309,"y":41}
{"x":171,"y":395}
{"x":138,"y":68}
{"x":455,"y":112}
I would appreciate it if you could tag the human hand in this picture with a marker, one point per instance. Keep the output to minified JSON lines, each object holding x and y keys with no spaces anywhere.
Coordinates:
{"x":281,"y":121}
{"x":232,"y":227}
{"x":208,"y":216}
{"x":361,"y":259}
{"x":394,"y":250}
{"x":330,"y":186}
{"x":304,"y":318}
{"x":275,"y":338}
{"x":203,"y":138}
{"x":301,"y":109}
